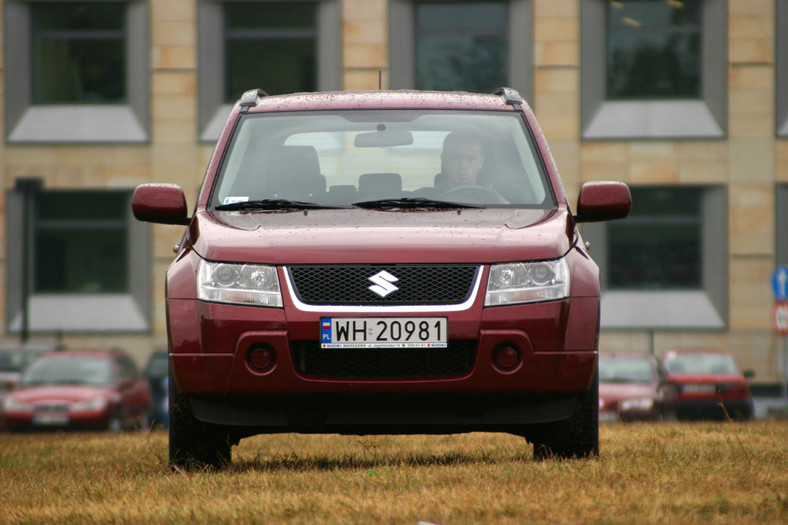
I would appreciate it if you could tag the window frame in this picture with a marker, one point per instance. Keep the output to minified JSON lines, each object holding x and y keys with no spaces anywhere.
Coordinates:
{"x":705,"y":117}
{"x":781,"y":69}
{"x":402,"y":62}
{"x":705,"y":308}
{"x":75,"y":123}
{"x":212,"y":109}
{"x":76,"y":312}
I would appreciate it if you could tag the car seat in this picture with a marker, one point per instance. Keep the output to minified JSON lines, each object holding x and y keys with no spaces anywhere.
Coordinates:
{"x":293,"y":172}
{"x":380,"y":185}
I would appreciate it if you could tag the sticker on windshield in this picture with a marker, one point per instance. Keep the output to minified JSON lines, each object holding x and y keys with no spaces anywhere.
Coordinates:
{"x":233,"y":200}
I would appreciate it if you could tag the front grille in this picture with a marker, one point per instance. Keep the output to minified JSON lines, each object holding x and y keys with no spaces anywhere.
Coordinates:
{"x":350,"y":284}
{"x":390,"y":363}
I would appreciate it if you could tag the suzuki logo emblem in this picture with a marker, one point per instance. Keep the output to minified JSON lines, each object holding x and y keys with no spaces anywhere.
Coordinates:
{"x":383,"y":283}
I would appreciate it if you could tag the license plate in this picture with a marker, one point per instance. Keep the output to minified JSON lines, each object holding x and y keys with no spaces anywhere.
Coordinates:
{"x":700,"y":388}
{"x":607,"y":416}
{"x":383,"y":332}
{"x":50,"y":417}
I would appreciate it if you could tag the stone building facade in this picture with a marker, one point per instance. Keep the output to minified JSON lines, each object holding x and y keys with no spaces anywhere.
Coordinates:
{"x":728,"y":144}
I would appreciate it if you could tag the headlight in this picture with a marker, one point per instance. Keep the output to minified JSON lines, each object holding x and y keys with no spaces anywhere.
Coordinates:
{"x":527,"y":282}
{"x":12,"y":405}
{"x":91,"y":405}
{"x":251,"y":284}
{"x":639,"y":404}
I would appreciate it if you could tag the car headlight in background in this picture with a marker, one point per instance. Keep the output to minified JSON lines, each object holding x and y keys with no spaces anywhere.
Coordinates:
{"x":10,"y":404}
{"x":643,"y":404}
{"x":527,"y":282}
{"x":250,"y":284}
{"x":95,"y":404}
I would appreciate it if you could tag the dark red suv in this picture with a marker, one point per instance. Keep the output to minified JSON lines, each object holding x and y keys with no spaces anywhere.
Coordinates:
{"x":382,"y":262}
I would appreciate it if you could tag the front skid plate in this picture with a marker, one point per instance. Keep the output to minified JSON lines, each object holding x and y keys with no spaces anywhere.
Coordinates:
{"x":389,"y":415}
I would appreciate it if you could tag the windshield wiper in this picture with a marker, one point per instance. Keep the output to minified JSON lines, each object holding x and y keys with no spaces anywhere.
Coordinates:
{"x":273,"y":204}
{"x":412,"y":202}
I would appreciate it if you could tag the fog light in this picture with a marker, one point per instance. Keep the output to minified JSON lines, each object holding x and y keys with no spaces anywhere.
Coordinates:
{"x":261,"y":358}
{"x":506,"y":357}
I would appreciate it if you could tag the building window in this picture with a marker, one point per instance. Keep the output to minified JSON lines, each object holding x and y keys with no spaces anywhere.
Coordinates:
{"x":80,"y":242}
{"x":782,"y":223}
{"x":653,"y":50}
{"x":78,"y":53}
{"x":287,"y":33}
{"x":84,"y":259}
{"x":280,"y":46}
{"x":653,"y":69}
{"x":658,"y":245}
{"x":664,"y":266}
{"x":77,"y":71}
{"x":461,"y":46}
{"x":472,"y":46}
{"x":781,"y":58}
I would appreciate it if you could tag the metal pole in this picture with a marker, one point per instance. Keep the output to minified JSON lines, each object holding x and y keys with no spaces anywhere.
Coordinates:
{"x":28,"y":187}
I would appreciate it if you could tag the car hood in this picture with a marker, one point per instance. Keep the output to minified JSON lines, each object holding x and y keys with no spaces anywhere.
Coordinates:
{"x":389,"y":236}
{"x":59,"y":394}
{"x":617,"y":391}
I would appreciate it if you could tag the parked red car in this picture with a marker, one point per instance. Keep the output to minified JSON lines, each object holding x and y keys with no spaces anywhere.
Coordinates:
{"x":79,"y":390}
{"x":710,"y":384}
{"x":382,"y":262}
{"x":632,"y":388}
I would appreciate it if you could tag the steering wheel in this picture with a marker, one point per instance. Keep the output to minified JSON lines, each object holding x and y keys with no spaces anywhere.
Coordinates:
{"x":474,"y":194}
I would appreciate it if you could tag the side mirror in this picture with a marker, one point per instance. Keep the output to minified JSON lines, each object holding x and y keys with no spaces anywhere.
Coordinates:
{"x":161,"y":203}
{"x":603,"y":201}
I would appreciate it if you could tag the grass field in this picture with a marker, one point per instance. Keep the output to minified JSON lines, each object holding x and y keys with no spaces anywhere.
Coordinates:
{"x":665,"y":473}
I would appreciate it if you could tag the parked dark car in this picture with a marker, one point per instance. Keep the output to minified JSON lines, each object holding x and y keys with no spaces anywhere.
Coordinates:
{"x":157,"y":373}
{"x":710,"y":383}
{"x":632,"y":388}
{"x":79,"y":390}
{"x":382,"y":262}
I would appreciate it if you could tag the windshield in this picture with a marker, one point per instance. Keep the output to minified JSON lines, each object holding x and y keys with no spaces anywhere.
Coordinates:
{"x":72,"y":370}
{"x":381,"y":157}
{"x":701,"y":363}
{"x":625,"y":370}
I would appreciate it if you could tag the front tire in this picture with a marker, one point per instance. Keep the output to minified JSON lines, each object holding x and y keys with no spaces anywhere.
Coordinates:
{"x":194,"y":444}
{"x":576,"y":437}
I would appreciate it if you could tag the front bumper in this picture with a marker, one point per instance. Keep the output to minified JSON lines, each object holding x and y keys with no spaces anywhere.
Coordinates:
{"x":210,"y":345}
{"x":56,"y":420}
{"x":715,"y":410}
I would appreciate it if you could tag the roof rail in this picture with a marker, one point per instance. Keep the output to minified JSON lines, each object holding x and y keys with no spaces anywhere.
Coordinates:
{"x":251,"y":97}
{"x":510,"y":96}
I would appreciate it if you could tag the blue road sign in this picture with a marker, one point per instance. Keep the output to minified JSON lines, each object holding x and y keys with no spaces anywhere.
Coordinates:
{"x":780,"y":283}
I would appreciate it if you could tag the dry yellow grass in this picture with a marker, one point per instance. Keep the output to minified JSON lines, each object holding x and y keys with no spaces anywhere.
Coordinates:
{"x":665,"y":473}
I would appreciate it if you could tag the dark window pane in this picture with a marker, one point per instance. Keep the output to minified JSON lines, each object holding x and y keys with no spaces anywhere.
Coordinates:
{"x":79,"y":53}
{"x":653,"y":49}
{"x":462,"y":46}
{"x":658,"y":247}
{"x":272,"y":46}
{"x":81,"y":242}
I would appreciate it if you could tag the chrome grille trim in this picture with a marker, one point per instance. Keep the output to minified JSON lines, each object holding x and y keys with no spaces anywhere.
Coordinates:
{"x":415,"y":308}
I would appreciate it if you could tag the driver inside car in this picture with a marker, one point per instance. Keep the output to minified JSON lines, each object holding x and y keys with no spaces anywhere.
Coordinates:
{"x":462,"y":159}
